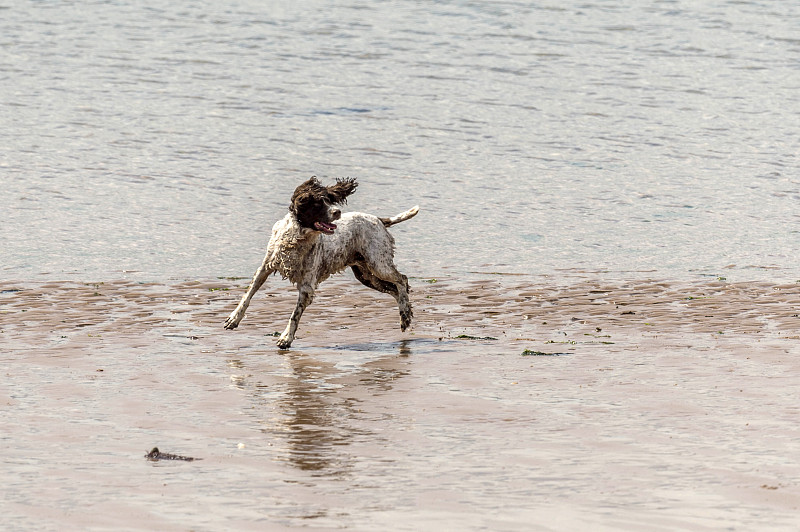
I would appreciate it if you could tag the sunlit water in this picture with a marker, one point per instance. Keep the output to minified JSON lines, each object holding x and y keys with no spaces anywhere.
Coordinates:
{"x":166,"y":138}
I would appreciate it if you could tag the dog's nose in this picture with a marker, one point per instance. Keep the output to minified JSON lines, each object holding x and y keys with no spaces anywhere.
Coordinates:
{"x":336,"y":213}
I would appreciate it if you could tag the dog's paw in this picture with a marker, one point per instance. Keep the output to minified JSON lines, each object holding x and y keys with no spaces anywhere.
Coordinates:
{"x":405,"y":319}
{"x":284,"y":343}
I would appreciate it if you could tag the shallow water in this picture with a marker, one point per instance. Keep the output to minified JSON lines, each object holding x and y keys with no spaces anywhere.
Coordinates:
{"x":166,"y":139}
{"x":663,"y":406}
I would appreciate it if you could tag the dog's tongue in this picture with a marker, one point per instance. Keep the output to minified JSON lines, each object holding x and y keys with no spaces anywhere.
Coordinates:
{"x":325,"y":227}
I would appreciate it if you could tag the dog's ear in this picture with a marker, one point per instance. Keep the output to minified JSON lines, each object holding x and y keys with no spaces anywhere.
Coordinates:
{"x":344,"y":187}
{"x":303,"y":193}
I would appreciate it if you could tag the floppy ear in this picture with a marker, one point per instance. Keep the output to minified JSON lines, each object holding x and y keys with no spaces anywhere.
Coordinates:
{"x":344,"y":187}
{"x":303,"y":193}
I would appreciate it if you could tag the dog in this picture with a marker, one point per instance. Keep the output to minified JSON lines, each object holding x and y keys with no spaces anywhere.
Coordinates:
{"x":315,"y":240}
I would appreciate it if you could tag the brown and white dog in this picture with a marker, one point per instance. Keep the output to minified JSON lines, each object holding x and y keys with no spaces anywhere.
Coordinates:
{"x":315,"y":240}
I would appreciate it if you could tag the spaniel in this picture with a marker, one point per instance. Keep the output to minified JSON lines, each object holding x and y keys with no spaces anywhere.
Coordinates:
{"x":315,"y":240}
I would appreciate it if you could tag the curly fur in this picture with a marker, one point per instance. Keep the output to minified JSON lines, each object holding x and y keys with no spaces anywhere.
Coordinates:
{"x":315,"y":240}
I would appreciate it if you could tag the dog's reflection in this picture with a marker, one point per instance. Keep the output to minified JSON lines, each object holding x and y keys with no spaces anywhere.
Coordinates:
{"x":313,"y":409}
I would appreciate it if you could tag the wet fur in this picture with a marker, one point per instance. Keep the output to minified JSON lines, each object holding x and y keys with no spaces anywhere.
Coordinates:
{"x":302,"y":252}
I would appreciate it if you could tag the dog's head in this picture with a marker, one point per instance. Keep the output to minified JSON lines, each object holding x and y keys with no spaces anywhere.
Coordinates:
{"x":313,"y":203}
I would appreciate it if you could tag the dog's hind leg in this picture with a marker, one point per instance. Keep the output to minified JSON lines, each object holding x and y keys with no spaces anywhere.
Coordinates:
{"x":304,"y":299}
{"x":385,"y":278}
{"x":366,"y":278}
{"x":403,"y":302}
{"x":238,"y":313}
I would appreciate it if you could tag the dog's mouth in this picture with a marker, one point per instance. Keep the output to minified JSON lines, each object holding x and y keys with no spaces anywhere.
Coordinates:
{"x":326,"y":228}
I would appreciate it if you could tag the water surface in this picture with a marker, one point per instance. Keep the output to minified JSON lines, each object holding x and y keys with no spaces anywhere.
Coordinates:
{"x":166,"y":139}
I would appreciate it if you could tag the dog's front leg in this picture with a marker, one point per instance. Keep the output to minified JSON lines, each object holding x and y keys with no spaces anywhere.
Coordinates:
{"x":238,"y":313}
{"x":304,"y":299}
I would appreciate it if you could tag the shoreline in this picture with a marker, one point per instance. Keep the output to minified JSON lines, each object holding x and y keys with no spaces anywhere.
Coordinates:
{"x":506,"y":306}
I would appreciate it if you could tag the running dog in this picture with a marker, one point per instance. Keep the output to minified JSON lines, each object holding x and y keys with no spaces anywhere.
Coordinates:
{"x":307,"y":247}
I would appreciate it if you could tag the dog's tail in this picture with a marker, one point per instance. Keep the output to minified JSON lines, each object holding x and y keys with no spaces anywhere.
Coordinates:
{"x":402,"y":217}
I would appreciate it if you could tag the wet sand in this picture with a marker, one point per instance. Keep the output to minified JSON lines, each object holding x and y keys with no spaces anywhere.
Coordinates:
{"x":515,"y":403}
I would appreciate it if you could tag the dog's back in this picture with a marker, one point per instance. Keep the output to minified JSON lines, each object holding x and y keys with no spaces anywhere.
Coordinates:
{"x":358,"y":235}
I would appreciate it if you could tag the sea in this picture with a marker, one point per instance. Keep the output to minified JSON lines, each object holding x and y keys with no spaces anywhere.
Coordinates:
{"x":163,"y":139}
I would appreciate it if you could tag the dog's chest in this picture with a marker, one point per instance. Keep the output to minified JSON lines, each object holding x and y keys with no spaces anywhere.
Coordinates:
{"x":311,"y":263}
{"x":294,"y":263}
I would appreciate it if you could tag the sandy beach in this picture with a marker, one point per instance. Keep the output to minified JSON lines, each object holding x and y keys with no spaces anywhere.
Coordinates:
{"x":515,"y":403}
